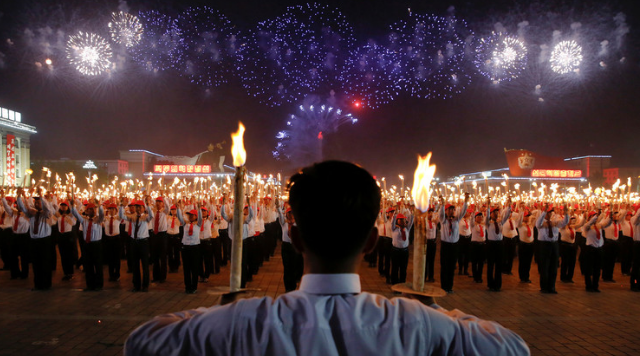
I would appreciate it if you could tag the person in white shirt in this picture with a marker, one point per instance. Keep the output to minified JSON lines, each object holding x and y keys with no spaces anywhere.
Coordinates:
{"x":66,"y":239}
{"x":191,"y":260}
{"x":626,"y":242}
{"x":139,"y":221}
{"x":92,"y":249}
{"x":112,"y":241}
{"x":463,"y":243}
{"x":478,"y":245}
{"x":247,"y":216}
{"x":5,"y":239}
{"x":449,"y":236}
{"x":400,"y":250}
{"x":611,"y":245}
{"x":40,"y":233}
{"x":569,"y":248}
{"x":175,"y":239}
{"x":158,"y":239}
{"x":329,"y":315}
{"x":206,"y":267}
{"x":289,"y":254}
{"x":526,"y":236}
{"x":509,"y":241}
{"x":592,"y":232}
{"x":431,"y":227}
{"x":548,"y":250}
{"x":495,"y":250}
{"x":19,"y":252}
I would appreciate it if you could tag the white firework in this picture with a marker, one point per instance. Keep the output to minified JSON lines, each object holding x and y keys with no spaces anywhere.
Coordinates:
{"x":566,"y":57}
{"x":501,"y":57}
{"x":89,"y":53}
{"x":125,"y":29}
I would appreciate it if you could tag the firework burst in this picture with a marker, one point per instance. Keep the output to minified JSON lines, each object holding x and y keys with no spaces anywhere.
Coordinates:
{"x":125,"y":29}
{"x":89,"y":53}
{"x":566,"y":57}
{"x":501,"y":57}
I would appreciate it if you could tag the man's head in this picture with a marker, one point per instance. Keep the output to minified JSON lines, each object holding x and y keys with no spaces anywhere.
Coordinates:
{"x":64,"y":207}
{"x":401,"y":221}
{"x":449,"y":209}
{"x":494,"y":213}
{"x":355,"y":200}
{"x":37,"y":203}
{"x":90,"y":210}
{"x":159,"y":203}
{"x":479,"y":218}
{"x":139,"y":206}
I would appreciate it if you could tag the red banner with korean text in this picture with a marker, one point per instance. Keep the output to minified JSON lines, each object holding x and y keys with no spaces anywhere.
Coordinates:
{"x":182,"y":168}
{"x":523,"y":162}
{"x":10,"y":176}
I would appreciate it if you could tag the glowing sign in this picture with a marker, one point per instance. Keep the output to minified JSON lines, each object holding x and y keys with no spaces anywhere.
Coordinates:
{"x":556,"y":173}
{"x":181,"y":168}
{"x":89,"y":165}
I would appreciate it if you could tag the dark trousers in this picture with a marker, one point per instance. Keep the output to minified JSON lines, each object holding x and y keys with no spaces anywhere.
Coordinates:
{"x":464,"y":255}
{"x":548,"y":256}
{"x":399,"y":262}
{"x":568,"y":252}
{"x":384,"y":255}
{"x":495,"y":261}
{"x":246,"y":275}
{"x":509,"y":245}
{"x":635,"y":269}
{"x":626,"y":254}
{"x":206,"y":253}
{"x":55,"y":237}
{"x":41,"y":256}
{"x":478,"y":252}
{"x":92,"y":263}
{"x":173,"y":251}
{"x":593,"y":265}
{"x":11,"y":257}
{"x":372,"y":257}
{"x":66,"y":245}
{"x":191,"y":266}
{"x":112,"y":249}
{"x":610,"y":254}
{"x":525,"y":256}
{"x":216,"y":245}
{"x":289,"y":266}
{"x":5,"y":247}
{"x":21,"y":254}
{"x":582,"y":243}
{"x":226,"y":246}
{"x":159,"y":243}
{"x":139,"y":249}
{"x":448,"y":259}
{"x":429,"y":266}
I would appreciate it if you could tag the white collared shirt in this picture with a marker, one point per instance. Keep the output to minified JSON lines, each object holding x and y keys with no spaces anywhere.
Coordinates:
{"x":329,"y":315}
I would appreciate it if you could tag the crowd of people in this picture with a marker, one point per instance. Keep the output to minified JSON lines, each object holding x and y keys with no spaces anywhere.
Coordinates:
{"x":551,"y":235}
{"x":156,"y":236}
{"x":153,"y":236}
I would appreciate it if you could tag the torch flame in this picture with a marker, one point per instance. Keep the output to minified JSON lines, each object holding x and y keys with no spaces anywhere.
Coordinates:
{"x":422,"y":182}
{"x":237,"y":149}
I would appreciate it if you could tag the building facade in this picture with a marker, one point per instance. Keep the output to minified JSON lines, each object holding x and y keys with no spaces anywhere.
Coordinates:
{"x":16,"y":148}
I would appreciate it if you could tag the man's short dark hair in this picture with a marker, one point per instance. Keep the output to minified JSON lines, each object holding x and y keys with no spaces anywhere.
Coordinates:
{"x":335,"y":205}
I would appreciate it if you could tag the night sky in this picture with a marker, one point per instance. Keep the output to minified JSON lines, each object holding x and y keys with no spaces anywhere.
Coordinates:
{"x":82,"y":118}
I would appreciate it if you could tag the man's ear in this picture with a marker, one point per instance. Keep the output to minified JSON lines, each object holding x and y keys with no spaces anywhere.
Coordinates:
{"x":296,"y":240}
{"x":371,"y":242}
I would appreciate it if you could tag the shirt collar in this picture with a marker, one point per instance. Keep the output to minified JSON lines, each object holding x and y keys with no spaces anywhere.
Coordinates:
{"x":339,"y":283}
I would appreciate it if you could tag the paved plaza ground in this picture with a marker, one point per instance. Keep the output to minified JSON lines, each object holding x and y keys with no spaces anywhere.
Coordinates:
{"x":67,"y":321}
